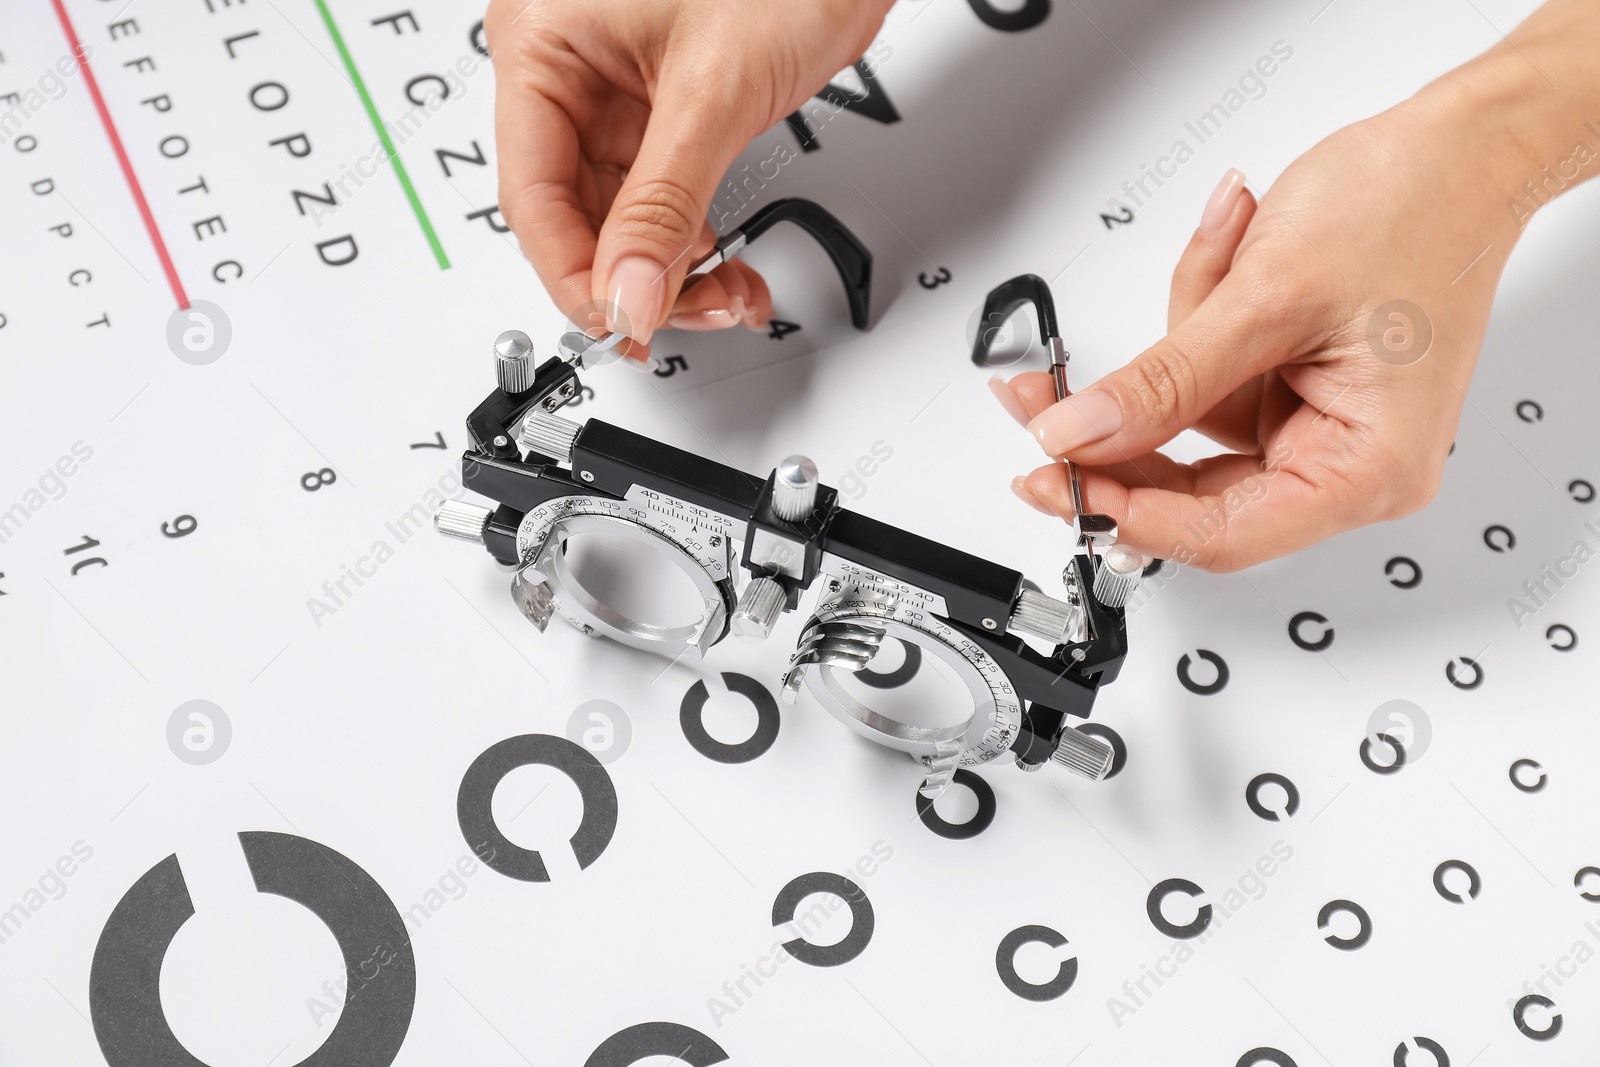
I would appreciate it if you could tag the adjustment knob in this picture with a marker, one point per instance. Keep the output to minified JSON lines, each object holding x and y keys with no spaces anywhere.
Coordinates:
{"x":513,"y":361}
{"x":1117,"y":575}
{"x":1084,"y":754}
{"x":1044,"y":617}
{"x":549,"y":435}
{"x":458,"y":518}
{"x":759,"y":607}
{"x":794,"y":489}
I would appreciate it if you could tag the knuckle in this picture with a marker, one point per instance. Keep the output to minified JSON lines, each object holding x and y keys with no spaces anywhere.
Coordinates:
{"x":1208,"y":541}
{"x":1397,"y":479}
{"x":1163,"y":382}
{"x":501,"y":16}
{"x":1415,"y":487}
{"x":510,"y":210}
{"x":660,"y":210}
{"x":497,"y":20}
{"x":524,"y":30}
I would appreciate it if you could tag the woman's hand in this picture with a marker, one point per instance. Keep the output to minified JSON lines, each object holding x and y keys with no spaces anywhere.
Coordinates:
{"x":1324,"y":337}
{"x":615,"y":122}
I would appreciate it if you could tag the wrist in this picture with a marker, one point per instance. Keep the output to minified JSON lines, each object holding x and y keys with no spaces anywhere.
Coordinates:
{"x":1524,"y":117}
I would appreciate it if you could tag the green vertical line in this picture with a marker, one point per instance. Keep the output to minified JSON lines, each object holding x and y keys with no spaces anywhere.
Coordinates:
{"x":383,"y":136}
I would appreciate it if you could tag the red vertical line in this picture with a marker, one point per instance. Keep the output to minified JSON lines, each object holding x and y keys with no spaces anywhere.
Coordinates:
{"x":122,"y":156}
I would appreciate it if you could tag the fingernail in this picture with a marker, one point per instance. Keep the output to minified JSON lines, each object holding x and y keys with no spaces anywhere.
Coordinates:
{"x":747,"y":316}
{"x":712,"y":319}
{"x":1078,"y":420}
{"x":1220,"y":207}
{"x":638,"y":286}
{"x":1019,"y":486}
{"x":1008,"y":399}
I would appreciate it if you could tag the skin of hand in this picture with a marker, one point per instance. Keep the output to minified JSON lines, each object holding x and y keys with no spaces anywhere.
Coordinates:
{"x":1326,"y":335}
{"x":615,"y":122}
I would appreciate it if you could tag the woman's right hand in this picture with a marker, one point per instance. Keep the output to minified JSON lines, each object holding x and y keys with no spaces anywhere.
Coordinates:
{"x":616,"y":121}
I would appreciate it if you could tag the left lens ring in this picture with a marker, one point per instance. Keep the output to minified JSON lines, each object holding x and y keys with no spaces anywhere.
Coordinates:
{"x":548,"y":563}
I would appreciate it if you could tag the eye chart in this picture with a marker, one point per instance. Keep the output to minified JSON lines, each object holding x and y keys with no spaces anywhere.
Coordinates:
{"x":254,"y":268}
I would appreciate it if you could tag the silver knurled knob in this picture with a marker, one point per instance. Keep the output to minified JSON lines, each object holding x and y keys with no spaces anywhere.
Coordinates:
{"x":457,"y":518}
{"x":1084,"y":754}
{"x":1044,"y":617}
{"x":1117,"y":575}
{"x":759,"y":607}
{"x":794,"y":488}
{"x":513,"y":361}
{"x":549,"y":435}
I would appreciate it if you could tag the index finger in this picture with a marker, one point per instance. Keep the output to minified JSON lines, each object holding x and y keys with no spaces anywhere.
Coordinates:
{"x":539,"y":157}
{"x":1234,"y":511}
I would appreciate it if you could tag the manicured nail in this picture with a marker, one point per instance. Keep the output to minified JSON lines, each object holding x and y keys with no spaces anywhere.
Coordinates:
{"x":711,"y":319}
{"x":739,"y":314}
{"x":1219,"y":209}
{"x":1019,"y":486}
{"x":1080,"y":419}
{"x":638,"y":286}
{"x":748,"y":317}
{"x":1008,"y":400}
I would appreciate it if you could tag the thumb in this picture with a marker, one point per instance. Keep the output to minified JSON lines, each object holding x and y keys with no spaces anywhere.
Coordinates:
{"x":656,"y":221}
{"x":1170,"y":386}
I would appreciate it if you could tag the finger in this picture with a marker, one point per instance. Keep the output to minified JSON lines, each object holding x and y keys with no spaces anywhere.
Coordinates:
{"x":1235,"y":423}
{"x":644,"y":248}
{"x":1154,"y":470}
{"x":757,"y":313}
{"x":1239,"y":332}
{"x":706,"y":303}
{"x":1238,"y":511}
{"x":1026,"y":396}
{"x":1200,"y":269}
{"x":1206,"y":260}
{"x":539,"y":195}
{"x":1005,"y":392}
{"x":731,"y":295}
{"x":606,"y":181}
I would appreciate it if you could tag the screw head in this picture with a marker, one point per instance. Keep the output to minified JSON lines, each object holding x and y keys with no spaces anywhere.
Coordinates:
{"x":501,"y":441}
{"x":794,"y":488}
{"x":716,"y":540}
{"x":586,"y":476}
{"x":797,"y":471}
{"x":513,"y":344}
{"x":1123,"y":558}
{"x":990,"y":624}
{"x":513,"y":361}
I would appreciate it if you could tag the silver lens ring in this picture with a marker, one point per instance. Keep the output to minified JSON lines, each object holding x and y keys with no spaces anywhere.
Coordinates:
{"x":580,"y":607}
{"x":845,"y":641}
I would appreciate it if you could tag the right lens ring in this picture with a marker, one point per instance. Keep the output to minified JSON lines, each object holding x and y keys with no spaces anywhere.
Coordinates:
{"x":986,"y":733}
{"x":896,"y":678}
